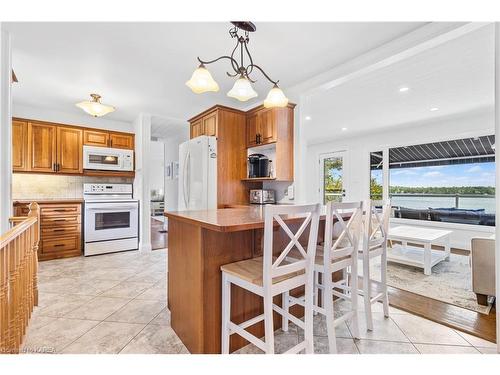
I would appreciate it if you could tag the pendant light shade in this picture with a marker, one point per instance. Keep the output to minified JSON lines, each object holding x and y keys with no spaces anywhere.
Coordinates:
{"x":242,"y":90}
{"x":94,"y":107}
{"x":275,"y":98}
{"x":201,"y":81}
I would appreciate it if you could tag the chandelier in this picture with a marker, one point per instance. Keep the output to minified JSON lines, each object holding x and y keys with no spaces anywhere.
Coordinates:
{"x":202,"y":81}
{"x":94,"y":107}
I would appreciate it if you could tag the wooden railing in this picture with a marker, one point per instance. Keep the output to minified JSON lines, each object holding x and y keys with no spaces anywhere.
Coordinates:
{"x":18,"y":278}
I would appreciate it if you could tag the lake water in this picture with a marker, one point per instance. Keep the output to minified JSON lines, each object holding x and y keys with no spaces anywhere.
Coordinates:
{"x":445,"y":202}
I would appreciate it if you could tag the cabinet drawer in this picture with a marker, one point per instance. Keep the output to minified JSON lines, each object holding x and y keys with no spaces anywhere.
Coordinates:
{"x":60,"y":210}
{"x":63,"y":244}
{"x":60,"y":230}
{"x":60,"y":220}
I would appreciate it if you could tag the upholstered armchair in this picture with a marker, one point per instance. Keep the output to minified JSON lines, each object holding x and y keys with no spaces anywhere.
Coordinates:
{"x":483,"y":268}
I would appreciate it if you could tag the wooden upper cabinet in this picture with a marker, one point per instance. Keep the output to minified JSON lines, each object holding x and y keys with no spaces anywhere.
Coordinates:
{"x":69,"y":150}
{"x":206,"y":124}
{"x":19,"y":145}
{"x":121,"y":140}
{"x":102,"y":138}
{"x":267,"y":126}
{"x":252,"y":130}
{"x":210,"y":124}
{"x":274,"y":127}
{"x":96,"y":138}
{"x":262,"y":127}
{"x":197,"y":128}
{"x":39,"y":146}
{"x":42,"y":147}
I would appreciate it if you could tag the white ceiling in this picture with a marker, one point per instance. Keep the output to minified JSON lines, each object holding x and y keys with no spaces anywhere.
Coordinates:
{"x":142,"y":67}
{"x":165,"y":128}
{"x":456,"y":77}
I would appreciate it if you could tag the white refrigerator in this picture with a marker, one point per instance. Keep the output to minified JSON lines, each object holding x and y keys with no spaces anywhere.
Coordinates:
{"x":198,"y":174}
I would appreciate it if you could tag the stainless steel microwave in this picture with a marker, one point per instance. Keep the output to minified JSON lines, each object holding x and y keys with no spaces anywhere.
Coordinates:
{"x":108,"y":159}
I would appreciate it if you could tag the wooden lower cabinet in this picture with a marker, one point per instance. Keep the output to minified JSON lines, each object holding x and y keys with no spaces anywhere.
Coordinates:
{"x":60,"y":229}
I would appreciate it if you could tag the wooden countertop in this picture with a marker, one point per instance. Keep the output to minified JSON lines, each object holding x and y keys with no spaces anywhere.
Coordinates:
{"x":47,"y":201}
{"x":226,"y":219}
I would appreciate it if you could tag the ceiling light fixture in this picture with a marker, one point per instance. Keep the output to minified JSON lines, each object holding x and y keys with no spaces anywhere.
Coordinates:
{"x":343,"y":129}
{"x":434,"y":109}
{"x":202,"y":81}
{"x":308,"y":118}
{"x":94,"y":107}
{"x":404,"y":89}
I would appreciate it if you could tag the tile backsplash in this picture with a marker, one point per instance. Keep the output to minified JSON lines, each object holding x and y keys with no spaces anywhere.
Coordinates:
{"x":42,"y":186}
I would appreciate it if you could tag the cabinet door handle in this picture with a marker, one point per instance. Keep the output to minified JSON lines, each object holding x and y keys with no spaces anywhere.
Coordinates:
{"x":58,"y":245}
{"x":54,"y":167}
{"x":111,"y":143}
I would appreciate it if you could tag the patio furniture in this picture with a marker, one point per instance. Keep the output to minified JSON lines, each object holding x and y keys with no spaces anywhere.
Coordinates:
{"x":421,"y":257}
{"x":483,"y":268}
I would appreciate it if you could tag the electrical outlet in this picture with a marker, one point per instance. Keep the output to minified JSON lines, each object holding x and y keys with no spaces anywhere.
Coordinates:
{"x":290,"y":192}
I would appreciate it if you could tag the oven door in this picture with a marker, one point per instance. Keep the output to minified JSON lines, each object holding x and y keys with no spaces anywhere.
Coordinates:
{"x":106,"y":221}
{"x":102,"y":158}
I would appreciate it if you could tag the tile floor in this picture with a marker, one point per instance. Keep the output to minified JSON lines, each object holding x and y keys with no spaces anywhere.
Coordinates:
{"x":115,"y":303}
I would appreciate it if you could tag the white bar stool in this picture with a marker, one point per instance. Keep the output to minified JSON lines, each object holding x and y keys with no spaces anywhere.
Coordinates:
{"x":269,"y":276}
{"x":374,"y":245}
{"x":337,"y":254}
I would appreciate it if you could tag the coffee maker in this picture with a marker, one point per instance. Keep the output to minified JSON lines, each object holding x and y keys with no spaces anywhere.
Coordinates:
{"x":258,"y":166}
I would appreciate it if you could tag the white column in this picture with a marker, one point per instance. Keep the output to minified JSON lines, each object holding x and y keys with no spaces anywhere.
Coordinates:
{"x":5,"y":130}
{"x":300,"y":152}
{"x":497,"y":166}
{"x":142,"y":128}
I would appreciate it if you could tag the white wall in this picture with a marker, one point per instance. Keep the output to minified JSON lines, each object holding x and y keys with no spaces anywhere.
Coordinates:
{"x":157,"y":171}
{"x":172,"y":155}
{"x":70,"y":118}
{"x":5,"y":130}
{"x":358,"y":150}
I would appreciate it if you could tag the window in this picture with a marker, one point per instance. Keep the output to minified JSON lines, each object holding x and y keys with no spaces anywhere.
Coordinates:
{"x":376,"y":175}
{"x":450,"y":181}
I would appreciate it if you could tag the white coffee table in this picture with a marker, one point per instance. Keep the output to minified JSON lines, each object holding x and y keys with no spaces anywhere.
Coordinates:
{"x":425,"y":257}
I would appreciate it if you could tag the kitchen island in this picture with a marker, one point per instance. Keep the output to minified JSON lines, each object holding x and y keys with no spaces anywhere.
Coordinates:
{"x":199,"y":243}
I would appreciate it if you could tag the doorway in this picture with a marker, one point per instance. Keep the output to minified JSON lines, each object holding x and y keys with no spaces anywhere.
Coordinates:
{"x":333,"y":177}
{"x":157,"y":186}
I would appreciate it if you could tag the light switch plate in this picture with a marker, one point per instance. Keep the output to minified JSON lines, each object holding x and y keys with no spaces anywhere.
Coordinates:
{"x":290,"y":192}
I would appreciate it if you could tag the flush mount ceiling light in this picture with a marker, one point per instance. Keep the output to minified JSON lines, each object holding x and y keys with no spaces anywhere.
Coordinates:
{"x":434,"y":109}
{"x":94,"y":107}
{"x":404,"y":89}
{"x":202,"y":81}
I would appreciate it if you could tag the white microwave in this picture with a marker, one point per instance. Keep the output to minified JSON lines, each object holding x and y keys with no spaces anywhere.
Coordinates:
{"x":108,"y":159}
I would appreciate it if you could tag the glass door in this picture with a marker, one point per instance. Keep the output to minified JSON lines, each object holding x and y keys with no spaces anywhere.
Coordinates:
{"x":332,"y":177}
